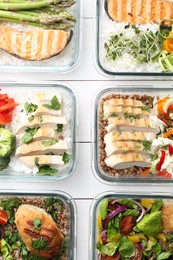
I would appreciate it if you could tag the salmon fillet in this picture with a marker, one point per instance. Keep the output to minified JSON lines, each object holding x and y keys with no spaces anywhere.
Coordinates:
{"x":33,"y":44}
{"x":139,"y":11}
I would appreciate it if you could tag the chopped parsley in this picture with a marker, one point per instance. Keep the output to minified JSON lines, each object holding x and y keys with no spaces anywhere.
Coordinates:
{"x":59,"y":128}
{"x":145,"y":108}
{"x":47,"y":170}
{"x":37,"y":223}
{"x":30,"y":107}
{"x":29,"y":133}
{"x":30,"y":118}
{"x":40,"y":119}
{"x":39,"y":244}
{"x":66,"y":157}
{"x":49,"y":142}
{"x":55,"y":104}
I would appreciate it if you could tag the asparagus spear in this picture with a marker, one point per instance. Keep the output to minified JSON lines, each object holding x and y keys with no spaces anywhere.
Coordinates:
{"x":55,"y":26}
{"x":27,"y":5}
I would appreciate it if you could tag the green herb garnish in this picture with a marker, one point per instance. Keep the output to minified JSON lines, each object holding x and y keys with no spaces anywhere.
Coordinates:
{"x":29,"y":133}
{"x":30,"y":118}
{"x":66,"y":157}
{"x":40,"y":119}
{"x":49,"y":142}
{"x":46,"y":170}
{"x":55,"y":104}
{"x":37,"y":223}
{"x":30,"y":107}
{"x":59,"y":128}
{"x":39,"y":244}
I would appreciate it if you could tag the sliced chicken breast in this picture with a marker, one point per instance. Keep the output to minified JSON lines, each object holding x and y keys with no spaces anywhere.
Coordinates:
{"x":54,"y":160}
{"x":127,"y":160}
{"x":40,"y":147}
{"x":126,"y":102}
{"x":126,"y":136}
{"x":118,"y":111}
{"x":141,"y":124}
{"x":44,"y":120}
{"x":46,"y":97}
{"x":126,"y":146}
{"x":43,"y":110}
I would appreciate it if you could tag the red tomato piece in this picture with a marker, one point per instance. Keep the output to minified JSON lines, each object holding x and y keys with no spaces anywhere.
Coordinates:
{"x":127,"y":224}
{"x":3,"y":217}
{"x":164,"y":174}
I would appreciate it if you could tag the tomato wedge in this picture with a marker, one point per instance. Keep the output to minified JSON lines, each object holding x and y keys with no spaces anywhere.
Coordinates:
{"x":164,"y":174}
{"x":3,"y":217}
{"x":127,"y":224}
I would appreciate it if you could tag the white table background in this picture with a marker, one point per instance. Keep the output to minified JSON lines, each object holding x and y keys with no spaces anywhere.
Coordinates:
{"x":86,"y":81}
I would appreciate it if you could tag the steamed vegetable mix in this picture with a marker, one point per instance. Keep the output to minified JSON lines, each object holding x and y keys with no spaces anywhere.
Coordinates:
{"x":134,"y":229}
{"x":45,"y":14}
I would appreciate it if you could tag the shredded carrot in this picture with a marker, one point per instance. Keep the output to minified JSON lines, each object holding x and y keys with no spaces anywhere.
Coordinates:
{"x":160,"y":104}
{"x":167,"y":134}
{"x":145,"y":172}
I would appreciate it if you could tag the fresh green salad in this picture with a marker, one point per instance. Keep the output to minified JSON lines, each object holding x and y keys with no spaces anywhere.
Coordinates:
{"x":134,"y":229}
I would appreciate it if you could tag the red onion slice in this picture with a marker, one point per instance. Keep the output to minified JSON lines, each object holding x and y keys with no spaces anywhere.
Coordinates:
{"x":113,"y":214}
{"x":142,"y":211}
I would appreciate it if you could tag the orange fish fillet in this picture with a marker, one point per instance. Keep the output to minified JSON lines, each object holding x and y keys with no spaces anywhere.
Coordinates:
{"x":139,"y":11}
{"x":33,"y":44}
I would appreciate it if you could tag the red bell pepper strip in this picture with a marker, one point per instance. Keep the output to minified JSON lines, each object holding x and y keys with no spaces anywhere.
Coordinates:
{"x":162,"y":159}
{"x":164,"y":174}
{"x":6,"y":107}
{"x":170,"y":149}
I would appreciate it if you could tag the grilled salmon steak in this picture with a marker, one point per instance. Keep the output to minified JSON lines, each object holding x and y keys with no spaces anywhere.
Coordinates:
{"x":33,"y":44}
{"x":139,"y":11}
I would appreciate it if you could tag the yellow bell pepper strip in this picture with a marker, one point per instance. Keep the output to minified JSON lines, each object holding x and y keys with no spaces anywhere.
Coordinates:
{"x":99,"y":221}
{"x":161,"y":237}
{"x":134,"y":238}
{"x":147,"y":203}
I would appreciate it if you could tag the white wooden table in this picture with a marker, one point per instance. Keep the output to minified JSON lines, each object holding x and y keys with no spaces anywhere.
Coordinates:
{"x":83,"y":185}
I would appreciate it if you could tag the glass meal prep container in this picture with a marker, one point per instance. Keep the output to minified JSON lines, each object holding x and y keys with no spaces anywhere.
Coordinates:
{"x":68,"y":56}
{"x":131,"y":226}
{"x":38,"y":132}
{"x":132,"y":134}
{"x":37,"y":225}
{"x":128,"y":42}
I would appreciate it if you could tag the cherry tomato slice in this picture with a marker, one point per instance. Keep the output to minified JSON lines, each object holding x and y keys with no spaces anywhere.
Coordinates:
{"x":3,"y":217}
{"x":164,"y":174}
{"x":127,"y":224}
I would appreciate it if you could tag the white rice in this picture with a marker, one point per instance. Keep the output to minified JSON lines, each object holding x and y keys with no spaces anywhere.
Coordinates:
{"x":64,"y":59}
{"x":126,"y":63}
{"x":22,"y":95}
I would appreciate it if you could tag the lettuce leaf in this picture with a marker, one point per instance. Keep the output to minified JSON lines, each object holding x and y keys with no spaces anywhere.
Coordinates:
{"x":126,"y":247}
{"x":6,"y":250}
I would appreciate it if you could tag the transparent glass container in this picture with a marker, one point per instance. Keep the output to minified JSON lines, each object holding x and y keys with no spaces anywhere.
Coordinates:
{"x":64,"y":206}
{"x":65,"y":61}
{"x":101,"y":172}
{"x":97,"y":231}
{"x":126,"y":66}
{"x":23,"y":93}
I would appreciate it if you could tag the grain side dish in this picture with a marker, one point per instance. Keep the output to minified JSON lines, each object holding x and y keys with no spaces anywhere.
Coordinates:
{"x":34,"y":228}
{"x":135,"y":135}
{"x":36,"y":131}
{"x":134,"y":229}
{"x":135,"y":36}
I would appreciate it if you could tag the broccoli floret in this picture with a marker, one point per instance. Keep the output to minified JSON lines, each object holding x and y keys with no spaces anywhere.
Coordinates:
{"x":7,"y":142}
{"x":4,"y":162}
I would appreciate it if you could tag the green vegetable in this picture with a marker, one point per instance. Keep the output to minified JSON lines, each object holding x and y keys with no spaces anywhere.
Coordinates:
{"x":126,"y":247}
{"x":6,"y":250}
{"x":37,"y":223}
{"x":40,"y":118}
{"x":49,"y":142}
{"x":157,"y":205}
{"x":30,"y":107}
{"x":166,"y":61}
{"x":66,"y":157}
{"x":4,"y":162}
{"x":39,"y":244}
{"x":29,"y":133}
{"x":46,"y":170}
{"x":103,"y":208}
{"x":163,"y":255}
{"x":7,"y":142}
{"x":107,"y":249}
{"x":59,"y":128}
{"x":153,"y":220}
{"x":54,"y":104}
{"x":30,"y":118}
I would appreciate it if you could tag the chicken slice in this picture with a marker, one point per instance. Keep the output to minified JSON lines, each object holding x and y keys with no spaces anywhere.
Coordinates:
{"x":127,"y":160}
{"x":44,"y":120}
{"x":46,"y":97}
{"x":42,"y":160}
{"x":46,"y":111}
{"x":118,"y":111}
{"x":120,"y":136}
{"x":41,"y":147}
{"x":141,"y":124}
{"x":128,"y":102}
{"x":127,"y":146}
